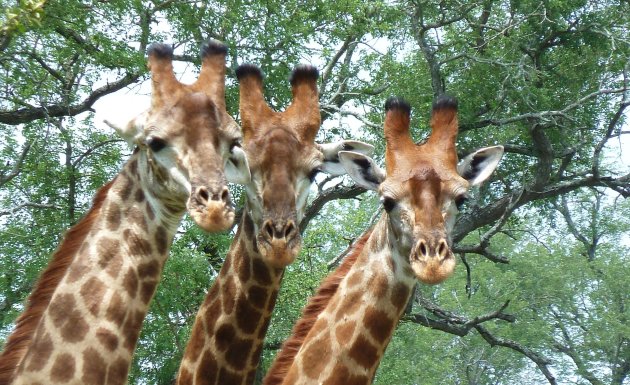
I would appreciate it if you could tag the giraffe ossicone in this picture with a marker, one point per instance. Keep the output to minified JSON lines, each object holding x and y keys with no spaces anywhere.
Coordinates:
{"x":347,"y":325}
{"x":227,"y":336}
{"x":82,"y":321}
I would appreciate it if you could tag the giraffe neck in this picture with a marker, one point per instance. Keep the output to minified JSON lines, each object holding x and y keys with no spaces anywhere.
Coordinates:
{"x":348,"y":333}
{"x":89,"y":327}
{"x":227,"y":336}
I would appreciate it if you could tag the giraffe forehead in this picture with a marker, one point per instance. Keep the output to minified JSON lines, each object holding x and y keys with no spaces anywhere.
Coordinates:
{"x":411,"y":160}
{"x":423,"y":171}
{"x":279,"y":149}
{"x":192,"y":118}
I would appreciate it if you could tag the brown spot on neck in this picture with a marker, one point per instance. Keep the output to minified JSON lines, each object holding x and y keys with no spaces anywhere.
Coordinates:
{"x":379,"y":324}
{"x":364,"y":353}
{"x":94,"y":367}
{"x":247,"y":317}
{"x":63,"y":368}
{"x":400,"y":295}
{"x":92,"y":292}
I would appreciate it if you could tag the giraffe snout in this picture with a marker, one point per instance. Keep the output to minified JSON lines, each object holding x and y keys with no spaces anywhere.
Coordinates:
{"x":205,"y":194}
{"x":436,"y":249}
{"x":281,"y":241}
{"x":432,"y":260}
{"x":279,"y":230}
{"x":211,"y":207}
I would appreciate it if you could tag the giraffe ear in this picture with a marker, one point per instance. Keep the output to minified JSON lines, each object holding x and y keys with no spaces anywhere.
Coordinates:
{"x":362,"y":169}
{"x":237,"y":167}
{"x":479,"y":165}
{"x":332,"y":164}
{"x":133,"y":132}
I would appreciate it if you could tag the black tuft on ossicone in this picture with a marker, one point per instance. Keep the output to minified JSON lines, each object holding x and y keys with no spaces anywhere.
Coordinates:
{"x":248,"y":69}
{"x":445,"y":101}
{"x":396,"y":103}
{"x":213,"y":47}
{"x":161,"y":50}
{"x":303,"y":72}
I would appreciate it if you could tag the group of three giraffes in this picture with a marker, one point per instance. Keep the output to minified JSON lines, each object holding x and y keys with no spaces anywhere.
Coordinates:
{"x":82,"y":320}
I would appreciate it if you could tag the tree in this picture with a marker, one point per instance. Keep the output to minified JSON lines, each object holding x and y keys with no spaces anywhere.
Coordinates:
{"x":540,"y":294}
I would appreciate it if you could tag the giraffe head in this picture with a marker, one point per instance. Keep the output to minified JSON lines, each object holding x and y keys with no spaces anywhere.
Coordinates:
{"x":283,"y":160}
{"x":187,"y":138}
{"x":423,"y":186}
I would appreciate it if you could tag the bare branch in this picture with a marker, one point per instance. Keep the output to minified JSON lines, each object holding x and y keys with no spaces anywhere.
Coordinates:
{"x":89,"y":151}
{"x":28,"y":204}
{"x":335,"y":59}
{"x":338,"y":192}
{"x":481,"y":250}
{"x":482,"y":216}
{"x":361,"y":118}
{"x":541,"y":116}
{"x":568,"y":349}
{"x":541,"y":361}
{"x":609,"y":134}
{"x":461,"y":326}
{"x":17,"y":166}
{"x":25,"y":115}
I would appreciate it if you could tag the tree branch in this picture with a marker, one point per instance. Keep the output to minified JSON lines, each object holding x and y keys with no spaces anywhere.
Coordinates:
{"x":17,"y":166}
{"x":28,"y":204}
{"x":541,"y":361}
{"x":338,"y":192}
{"x":495,"y":210}
{"x":460,"y":326}
{"x":25,"y":115}
{"x":89,"y":151}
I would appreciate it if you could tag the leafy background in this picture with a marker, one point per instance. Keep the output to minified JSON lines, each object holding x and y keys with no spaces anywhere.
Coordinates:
{"x":541,"y":291}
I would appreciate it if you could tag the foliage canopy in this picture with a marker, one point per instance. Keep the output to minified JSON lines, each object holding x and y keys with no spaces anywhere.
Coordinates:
{"x":541,"y":293}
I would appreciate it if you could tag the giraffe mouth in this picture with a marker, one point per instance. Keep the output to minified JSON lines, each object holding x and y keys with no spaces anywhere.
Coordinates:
{"x":213,"y":216}
{"x":432,"y":269}
{"x":279,"y":253}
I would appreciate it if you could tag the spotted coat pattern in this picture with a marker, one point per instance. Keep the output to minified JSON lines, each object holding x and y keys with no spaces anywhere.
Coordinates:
{"x":89,"y":331}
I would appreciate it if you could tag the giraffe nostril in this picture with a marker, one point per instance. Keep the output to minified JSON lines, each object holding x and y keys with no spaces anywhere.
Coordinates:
{"x":268,"y":229}
{"x":422,"y":248}
{"x":289,"y":230}
{"x":225,"y":195}
{"x":442,"y":248}
{"x":203,"y":193}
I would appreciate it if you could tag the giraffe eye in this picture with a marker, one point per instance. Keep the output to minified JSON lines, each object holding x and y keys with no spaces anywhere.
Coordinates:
{"x":460,"y":201}
{"x":155,"y":144}
{"x":388,"y":203}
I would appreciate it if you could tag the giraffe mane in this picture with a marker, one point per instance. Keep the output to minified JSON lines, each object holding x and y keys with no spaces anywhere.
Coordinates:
{"x":37,"y":302}
{"x":316,"y":304}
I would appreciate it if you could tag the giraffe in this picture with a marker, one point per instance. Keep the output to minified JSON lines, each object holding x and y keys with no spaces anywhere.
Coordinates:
{"x":82,"y":320}
{"x":227,"y":335}
{"x":347,"y":325}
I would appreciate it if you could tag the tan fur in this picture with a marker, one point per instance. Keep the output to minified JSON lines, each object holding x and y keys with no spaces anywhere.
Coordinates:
{"x":37,"y":302}
{"x":316,"y":304}
{"x":229,"y":328}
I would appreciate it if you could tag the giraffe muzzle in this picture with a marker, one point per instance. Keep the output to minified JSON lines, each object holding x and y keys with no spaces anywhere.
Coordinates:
{"x":211,"y":208}
{"x":279,"y":242}
{"x":432,"y":260}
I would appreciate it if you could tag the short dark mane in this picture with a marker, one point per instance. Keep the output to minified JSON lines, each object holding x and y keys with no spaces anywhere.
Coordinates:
{"x":316,"y":304}
{"x":25,"y":326}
